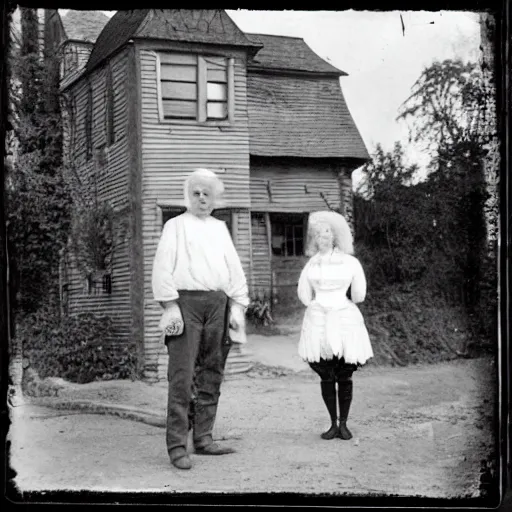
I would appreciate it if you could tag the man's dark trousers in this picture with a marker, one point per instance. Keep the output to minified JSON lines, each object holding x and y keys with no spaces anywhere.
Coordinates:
{"x":200,"y":351}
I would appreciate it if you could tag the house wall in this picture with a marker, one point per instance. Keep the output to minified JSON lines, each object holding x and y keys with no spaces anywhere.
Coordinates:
{"x":170,"y":151}
{"x":287,"y":179}
{"x":291,"y":186}
{"x":74,"y":57}
{"x":106,"y":176}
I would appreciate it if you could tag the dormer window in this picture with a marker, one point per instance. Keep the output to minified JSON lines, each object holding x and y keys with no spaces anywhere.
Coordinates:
{"x":195,"y":88}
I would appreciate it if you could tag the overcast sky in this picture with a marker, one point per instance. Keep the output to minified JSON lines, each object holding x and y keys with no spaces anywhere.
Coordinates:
{"x":381,"y":61}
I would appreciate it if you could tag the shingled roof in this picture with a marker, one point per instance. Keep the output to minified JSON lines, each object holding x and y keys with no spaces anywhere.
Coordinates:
{"x":212,"y":26}
{"x":84,"y":25}
{"x":288,"y":53}
{"x":301,"y":117}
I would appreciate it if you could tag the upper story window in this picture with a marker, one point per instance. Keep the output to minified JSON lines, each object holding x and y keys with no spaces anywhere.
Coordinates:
{"x":196,"y":88}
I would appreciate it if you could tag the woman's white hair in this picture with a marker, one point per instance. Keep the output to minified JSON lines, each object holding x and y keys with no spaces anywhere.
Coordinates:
{"x":208,"y":177}
{"x":343,"y":239}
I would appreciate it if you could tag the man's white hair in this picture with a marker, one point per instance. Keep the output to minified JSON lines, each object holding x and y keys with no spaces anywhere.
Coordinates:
{"x":343,"y":239}
{"x":205,"y":176}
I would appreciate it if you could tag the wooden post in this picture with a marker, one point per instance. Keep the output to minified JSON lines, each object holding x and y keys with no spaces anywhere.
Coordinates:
{"x":251,"y":265}
{"x":268,"y":226}
{"x":234,"y":227}
{"x":346,"y":196}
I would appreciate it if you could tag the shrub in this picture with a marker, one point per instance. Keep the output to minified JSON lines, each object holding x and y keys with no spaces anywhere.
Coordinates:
{"x":259,"y":310}
{"x":80,"y":348}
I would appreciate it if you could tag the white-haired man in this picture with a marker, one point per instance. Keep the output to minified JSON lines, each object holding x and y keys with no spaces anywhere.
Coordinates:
{"x":199,"y":281}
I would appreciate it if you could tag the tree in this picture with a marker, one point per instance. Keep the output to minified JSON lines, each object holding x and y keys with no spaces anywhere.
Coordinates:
{"x":452,"y":109}
{"x":37,"y":195}
{"x":447,"y":107}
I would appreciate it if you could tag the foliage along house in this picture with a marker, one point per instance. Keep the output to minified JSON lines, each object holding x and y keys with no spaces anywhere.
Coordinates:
{"x":165,"y":91}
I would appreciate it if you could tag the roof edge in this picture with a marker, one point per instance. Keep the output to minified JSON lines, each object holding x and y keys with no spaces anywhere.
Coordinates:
{"x":86,"y":72}
{"x":264,"y":70}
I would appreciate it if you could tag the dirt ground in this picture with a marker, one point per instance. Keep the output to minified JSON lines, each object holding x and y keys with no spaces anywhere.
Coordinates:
{"x":418,"y":431}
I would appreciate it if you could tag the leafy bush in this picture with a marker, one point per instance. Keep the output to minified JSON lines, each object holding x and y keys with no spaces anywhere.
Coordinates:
{"x":410,"y":324}
{"x":79,"y":349}
{"x":259,"y":310}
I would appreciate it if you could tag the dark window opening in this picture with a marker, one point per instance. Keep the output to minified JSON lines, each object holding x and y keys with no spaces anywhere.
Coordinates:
{"x":287,"y":235}
{"x":221,"y":214}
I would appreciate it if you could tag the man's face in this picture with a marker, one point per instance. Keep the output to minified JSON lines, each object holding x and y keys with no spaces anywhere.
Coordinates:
{"x":201,"y":198}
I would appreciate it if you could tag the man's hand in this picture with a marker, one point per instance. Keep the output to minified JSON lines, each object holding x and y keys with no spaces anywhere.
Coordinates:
{"x":236,"y":316}
{"x":233,"y":324}
{"x":171,"y":322}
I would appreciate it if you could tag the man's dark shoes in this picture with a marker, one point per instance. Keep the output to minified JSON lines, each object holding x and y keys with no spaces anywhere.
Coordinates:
{"x":213,"y":449}
{"x":180,"y":459}
{"x":331,"y":433}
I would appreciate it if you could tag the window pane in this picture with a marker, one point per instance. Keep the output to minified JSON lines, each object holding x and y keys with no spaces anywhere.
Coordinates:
{"x":178,"y":58}
{"x":179,"y":91}
{"x":277,"y":228}
{"x":299,"y":247}
{"x":217,"y":110}
{"x":178,"y":72}
{"x":217,"y":92}
{"x":216,"y":62}
{"x":181,"y":109}
{"x":217,"y":75}
{"x":216,"y":69}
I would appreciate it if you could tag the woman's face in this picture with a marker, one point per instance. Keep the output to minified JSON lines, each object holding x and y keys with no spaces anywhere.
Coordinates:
{"x":201,"y":198}
{"x":324,"y":238}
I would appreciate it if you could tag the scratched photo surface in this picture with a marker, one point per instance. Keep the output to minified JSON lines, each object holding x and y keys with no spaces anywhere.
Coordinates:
{"x":386,"y":118}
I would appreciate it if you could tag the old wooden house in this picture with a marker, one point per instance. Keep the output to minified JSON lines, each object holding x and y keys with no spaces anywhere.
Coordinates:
{"x":161,"y":92}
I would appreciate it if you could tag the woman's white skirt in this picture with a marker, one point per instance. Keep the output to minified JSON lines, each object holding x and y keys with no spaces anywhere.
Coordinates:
{"x":334,"y":332}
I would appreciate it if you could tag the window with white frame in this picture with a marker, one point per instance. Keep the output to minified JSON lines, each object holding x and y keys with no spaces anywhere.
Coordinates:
{"x":195,"y":87}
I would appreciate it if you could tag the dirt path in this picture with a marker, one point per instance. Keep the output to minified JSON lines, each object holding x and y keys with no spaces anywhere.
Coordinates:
{"x":418,"y":431}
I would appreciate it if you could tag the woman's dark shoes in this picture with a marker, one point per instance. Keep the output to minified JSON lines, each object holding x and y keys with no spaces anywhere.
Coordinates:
{"x":213,"y":449}
{"x":344,"y":432}
{"x":331,"y":433}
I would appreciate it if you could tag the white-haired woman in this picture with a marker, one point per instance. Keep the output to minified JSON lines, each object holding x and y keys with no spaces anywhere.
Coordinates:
{"x":334,"y":340}
{"x":199,"y":281}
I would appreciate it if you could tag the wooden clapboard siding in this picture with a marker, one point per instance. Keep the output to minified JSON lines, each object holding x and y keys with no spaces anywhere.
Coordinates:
{"x":347,"y":196}
{"x":287,"y":184}
{"x":109,"y":176}
{"x":116,"y":304}
{"x":111,"y":179}
{"x":243,"y":241}
{"x":170,"y":151}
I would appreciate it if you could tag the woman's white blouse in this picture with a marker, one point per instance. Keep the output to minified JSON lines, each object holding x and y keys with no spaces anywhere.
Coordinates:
{"x":197,"y":254}
{"x":326,"y":279}
{"x":333,"y":324}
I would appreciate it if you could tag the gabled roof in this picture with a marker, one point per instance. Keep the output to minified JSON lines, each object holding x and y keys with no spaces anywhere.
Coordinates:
{"x":84,"y":25}
{"x":301,"y":117}
{"x":288,"y":53}
{"x":212,"y":26}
